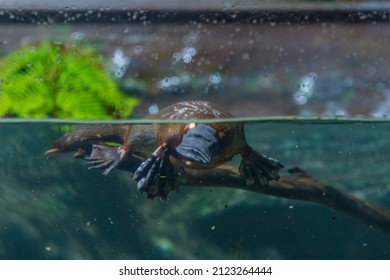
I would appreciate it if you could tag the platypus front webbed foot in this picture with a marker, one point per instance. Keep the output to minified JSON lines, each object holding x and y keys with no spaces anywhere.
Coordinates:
{"x":156,"y":175}
{"x":105,"y":157}
{"x":258,"y":169}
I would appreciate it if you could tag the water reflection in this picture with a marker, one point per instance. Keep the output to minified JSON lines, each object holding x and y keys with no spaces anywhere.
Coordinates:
{"x":262,"y":63}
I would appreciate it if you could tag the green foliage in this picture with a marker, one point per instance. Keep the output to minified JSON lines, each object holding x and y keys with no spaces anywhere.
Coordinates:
{"x":61,"y":81}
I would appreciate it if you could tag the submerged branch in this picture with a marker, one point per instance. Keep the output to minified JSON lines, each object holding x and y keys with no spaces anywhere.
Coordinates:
{"x":298,"y":185}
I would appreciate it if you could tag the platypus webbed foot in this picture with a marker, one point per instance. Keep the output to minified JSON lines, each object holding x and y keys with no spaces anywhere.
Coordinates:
{"x":156,"y":175}
{"x":105,"y":156}
{"x":258,"y":169}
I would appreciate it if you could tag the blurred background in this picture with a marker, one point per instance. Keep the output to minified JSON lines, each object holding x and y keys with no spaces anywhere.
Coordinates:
{"x":271,"y":57}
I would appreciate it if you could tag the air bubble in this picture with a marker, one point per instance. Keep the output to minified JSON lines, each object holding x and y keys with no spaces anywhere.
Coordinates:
{"x":305,"y":89}
{"x":138,"y":50}
{"x":153,"y":109}
{"x":77,"y":36}
{"x":299,"y":98}
{"x":215,"y":79}
{"x":169,"y":81}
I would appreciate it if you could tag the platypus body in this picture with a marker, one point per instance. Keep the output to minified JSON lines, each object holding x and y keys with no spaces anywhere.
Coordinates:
{"x":157,"y":152}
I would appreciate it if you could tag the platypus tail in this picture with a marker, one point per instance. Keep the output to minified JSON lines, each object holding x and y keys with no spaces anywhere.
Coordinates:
{"x":81,"y":137}
{"x":257,"y":169}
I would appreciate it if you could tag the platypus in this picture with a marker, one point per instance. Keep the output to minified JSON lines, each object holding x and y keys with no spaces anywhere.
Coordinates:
{"x":157,"y":152}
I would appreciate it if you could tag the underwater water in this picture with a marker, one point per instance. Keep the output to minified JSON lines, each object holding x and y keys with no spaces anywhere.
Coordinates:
{"x":54,"y":207}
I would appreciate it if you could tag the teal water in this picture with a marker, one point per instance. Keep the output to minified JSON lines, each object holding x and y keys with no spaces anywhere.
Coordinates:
{"x":55,"y":208}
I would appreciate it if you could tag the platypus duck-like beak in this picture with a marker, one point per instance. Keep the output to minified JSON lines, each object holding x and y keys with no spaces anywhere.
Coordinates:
{"x":200,"y":144}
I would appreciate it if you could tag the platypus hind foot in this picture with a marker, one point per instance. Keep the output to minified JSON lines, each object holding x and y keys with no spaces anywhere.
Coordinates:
{"x":105,"y":156}
{"x":156,"y":175}
{"x":258,"y":169}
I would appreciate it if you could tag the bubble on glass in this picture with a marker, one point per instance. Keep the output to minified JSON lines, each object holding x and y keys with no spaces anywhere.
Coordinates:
{"x":120,"y":72}
{"x":299,"y":98}
{"x":233,"y":16}
{"x":120,"y":63}
{"x":186,"y":55}
{"x":187,"y":58}
{"x":164,"y":83}
{"x":169,"y":82}
{"x":246,"y":56}
{"x":138,"y":50}
{"x":126,"y":30}
{"x":153,"y":109}
{"x":175,"y":80}
{"x":190,"y":51}
{"x":77,"y":36}
{"x":176,"y":57}
{"x":305,"y":88}
{"x":267,"y":81}
{"x":191,"y":38}
{"x":119,"y":59}
{"x":215,"y":79}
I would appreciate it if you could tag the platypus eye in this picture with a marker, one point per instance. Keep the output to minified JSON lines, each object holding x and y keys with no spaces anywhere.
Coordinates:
{"x":200,"y":144}
{"x":191,"y":125}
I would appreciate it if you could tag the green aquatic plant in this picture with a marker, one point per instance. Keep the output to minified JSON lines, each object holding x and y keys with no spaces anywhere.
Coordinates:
{"x":61,"y":81}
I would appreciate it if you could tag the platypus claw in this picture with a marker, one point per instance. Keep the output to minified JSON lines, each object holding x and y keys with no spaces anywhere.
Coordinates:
{"x":156,"y":175}
{"x":102,"y":156}
{"x":258,"y":169}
